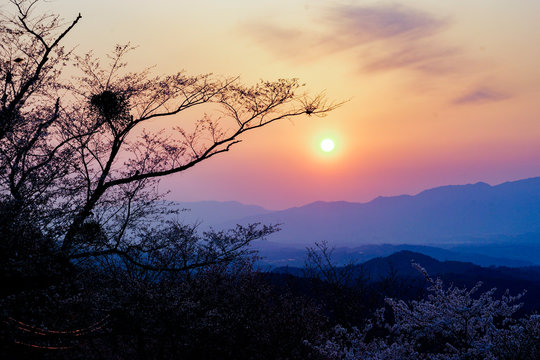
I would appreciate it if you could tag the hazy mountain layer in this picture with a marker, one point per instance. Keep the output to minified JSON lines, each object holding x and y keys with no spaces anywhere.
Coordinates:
{"x":276,"y":255}
{"x":211,"y":213}
{"x":458,"y":214}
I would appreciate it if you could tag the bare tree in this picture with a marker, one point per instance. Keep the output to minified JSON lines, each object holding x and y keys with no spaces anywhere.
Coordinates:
{"x":79,"y":165}
{"x":30,"y":55}
{"x":79,"y":155}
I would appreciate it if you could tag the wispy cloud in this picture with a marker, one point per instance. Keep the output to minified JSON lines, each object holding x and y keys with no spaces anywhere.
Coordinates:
{"x":288,"y":43}
{"x":359,"y":25}
{"x":382,"y":37}
{"x":481,"y":95}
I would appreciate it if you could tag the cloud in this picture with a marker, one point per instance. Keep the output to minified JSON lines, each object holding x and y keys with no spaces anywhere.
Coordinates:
{"x":426,"y":58}
{"x":481,"y":95}
{"x":381,"y":37}
{"x":285,"y":42}
{"x":392,"y":37}
{"x":359,"y":25}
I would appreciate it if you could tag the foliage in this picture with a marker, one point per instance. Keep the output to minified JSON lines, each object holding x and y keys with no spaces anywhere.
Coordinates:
{"x":450,"y":323}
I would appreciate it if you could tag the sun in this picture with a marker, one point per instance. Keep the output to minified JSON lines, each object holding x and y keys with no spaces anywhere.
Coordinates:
{"x":327,"y":145}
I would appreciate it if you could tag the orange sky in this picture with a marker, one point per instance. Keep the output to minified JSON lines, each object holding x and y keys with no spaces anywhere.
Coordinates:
{"x":442,"y":92}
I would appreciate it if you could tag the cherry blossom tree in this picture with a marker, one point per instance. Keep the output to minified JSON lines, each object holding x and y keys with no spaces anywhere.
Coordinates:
{"x":450,"y":323}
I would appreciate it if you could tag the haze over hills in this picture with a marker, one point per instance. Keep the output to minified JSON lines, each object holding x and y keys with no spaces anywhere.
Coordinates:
{"x":212,"y":213}
{"x":278,"y":255}
{"x":488,"y":225}
{"x":447,"y":215}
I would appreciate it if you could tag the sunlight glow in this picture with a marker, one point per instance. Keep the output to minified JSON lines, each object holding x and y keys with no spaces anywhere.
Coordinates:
{"x":327,"y":145}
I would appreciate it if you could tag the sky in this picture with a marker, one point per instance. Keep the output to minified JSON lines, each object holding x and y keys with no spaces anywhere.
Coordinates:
{"x":439,"y":92}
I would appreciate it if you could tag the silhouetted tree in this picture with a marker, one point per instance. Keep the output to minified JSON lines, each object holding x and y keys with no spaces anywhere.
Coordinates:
{"x":78,"y":153}
{"x":342,"y":290}
{"x":79,"y":169}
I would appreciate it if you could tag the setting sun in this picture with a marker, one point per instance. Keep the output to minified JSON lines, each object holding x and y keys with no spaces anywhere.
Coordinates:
{"x":327,"y":145}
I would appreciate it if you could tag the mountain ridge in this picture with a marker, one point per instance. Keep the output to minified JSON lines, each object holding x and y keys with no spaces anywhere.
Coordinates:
{"x":439,"y":215}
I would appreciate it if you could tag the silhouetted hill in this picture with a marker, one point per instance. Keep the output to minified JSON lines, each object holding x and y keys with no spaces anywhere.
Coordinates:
{"x":461,"y":274}
{"x":399,"y":268}
{"x":400,"y":263}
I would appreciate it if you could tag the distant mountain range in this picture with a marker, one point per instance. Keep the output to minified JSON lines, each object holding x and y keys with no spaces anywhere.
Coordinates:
{"x":443,"y":215}
{"x":491,"y":225}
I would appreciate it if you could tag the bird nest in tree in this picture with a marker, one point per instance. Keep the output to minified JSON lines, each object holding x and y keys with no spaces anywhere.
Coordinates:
{"x":110,"y":105}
